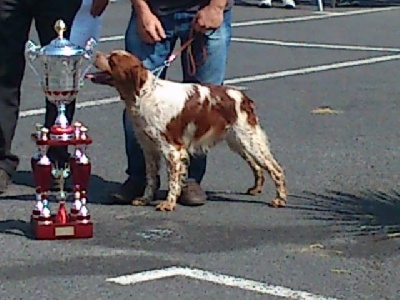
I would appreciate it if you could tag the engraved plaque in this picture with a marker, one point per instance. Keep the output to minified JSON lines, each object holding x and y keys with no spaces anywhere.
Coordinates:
{"x":65,"y":231}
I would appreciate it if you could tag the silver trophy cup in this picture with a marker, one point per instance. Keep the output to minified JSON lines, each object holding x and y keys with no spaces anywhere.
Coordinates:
{"x":60,"y":67}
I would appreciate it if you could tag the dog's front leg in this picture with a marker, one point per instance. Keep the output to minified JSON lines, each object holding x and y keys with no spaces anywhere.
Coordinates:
{"x":152,"y":162}
{"x":177,"y":170}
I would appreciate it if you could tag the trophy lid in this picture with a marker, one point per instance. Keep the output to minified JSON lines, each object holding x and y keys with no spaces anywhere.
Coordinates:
{"x":61,"y":46}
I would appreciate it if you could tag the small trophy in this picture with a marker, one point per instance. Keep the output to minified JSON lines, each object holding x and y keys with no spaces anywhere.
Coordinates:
{"x":60,"y":68}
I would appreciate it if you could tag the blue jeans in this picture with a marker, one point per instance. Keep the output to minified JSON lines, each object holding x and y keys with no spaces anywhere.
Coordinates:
{"x":212,"y":71}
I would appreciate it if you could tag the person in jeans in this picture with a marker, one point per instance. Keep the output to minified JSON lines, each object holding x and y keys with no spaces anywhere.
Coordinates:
{"x":153,"y":30}
{"x":16,"y":17}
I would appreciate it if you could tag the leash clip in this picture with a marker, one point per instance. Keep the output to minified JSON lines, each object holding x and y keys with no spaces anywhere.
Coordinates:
{"x":157,"y":71}
{"x":170,"y":59}
{"x":167,"y":63}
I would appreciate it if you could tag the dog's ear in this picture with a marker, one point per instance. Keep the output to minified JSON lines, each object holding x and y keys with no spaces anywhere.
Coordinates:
{"x":101,"y":62}
{"x":134,"y":71}
{"x":128,"y":70}
{"x":139,"y":75}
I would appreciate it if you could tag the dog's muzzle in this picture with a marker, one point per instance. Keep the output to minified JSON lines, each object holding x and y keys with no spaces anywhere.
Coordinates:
{"x":101,"y":77}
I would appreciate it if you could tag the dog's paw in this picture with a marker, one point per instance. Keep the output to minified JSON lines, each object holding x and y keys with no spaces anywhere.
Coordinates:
{"x":166,"y":206}
{"x":253,"y":191}
{"x":140,"y":202}
{"x":278,"y":203}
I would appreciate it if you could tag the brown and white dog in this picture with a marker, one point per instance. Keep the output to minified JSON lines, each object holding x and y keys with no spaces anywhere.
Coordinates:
{"x":174,"y":120}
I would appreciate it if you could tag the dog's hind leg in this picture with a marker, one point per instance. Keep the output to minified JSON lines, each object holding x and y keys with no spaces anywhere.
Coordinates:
{"x":255,"y":144}
{"x":177,"y":171}
{"x":258,"y":172}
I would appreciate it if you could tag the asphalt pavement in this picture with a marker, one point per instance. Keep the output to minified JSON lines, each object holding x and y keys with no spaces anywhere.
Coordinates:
{"x":338,"y":237}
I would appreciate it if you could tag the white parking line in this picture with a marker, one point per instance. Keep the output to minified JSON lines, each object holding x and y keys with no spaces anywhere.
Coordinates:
{"x":314,"y":17}
{"x":313,"y":45}
{"x":251,"y":78}
{"x":220,"y":279}
{"x":289,"y":44}
{"x":284,"y":20}
{"x":308,"y":70}
{"x":41,"y":111}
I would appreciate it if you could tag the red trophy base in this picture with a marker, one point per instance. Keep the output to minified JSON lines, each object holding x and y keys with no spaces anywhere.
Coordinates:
{"x":62,"y":225}
{"x":58,"y":231}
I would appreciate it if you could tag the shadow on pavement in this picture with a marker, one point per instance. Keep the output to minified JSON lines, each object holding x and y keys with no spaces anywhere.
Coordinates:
{"x":365,"y":223}
{"x":369,"y":212}
{"x":16,"y":228}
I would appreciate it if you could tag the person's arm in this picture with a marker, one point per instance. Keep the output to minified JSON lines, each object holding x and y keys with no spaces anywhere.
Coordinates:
{"x":140,"y":6}
{"x":210,"y":16}
{"x":148,"y":25}
{"x":98,"y":7}
{"x":217,"y":3}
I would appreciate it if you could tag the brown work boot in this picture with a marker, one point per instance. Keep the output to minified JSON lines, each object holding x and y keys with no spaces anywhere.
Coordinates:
{"x":192,"y":194}
{"x":129,"y":190}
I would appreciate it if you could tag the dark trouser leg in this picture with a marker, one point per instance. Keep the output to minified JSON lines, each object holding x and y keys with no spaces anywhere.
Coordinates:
{"x":46,"y":14}
{"x":15,"y":21}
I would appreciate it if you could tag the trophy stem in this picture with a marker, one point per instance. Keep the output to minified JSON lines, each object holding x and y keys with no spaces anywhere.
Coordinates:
{"x":61,"y":130}
{"x":62,"y":120}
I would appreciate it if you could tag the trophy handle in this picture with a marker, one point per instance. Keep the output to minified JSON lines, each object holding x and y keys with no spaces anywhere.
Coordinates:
{"x":89,"y":47}
{"x":32,"y":51}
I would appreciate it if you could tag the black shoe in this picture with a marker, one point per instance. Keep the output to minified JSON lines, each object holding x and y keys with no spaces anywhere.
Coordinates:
{"x":128,"y":191}
{"x":4,"y":181}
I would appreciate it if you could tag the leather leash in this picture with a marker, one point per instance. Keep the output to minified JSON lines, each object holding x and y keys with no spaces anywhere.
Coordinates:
{"x":192,"y":66}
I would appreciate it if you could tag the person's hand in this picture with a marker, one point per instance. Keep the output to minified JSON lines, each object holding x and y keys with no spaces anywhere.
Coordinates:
{"x":149,"y":27}
{"x":98,"y":7}
{"x":209,"y":17}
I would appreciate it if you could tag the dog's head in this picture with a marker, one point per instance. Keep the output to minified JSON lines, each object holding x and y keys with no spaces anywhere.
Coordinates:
{"x":120,"y":69}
